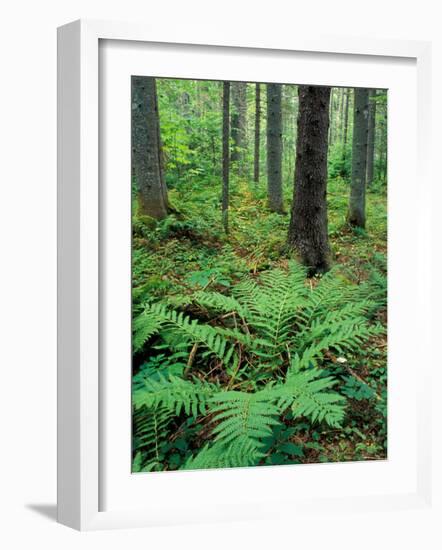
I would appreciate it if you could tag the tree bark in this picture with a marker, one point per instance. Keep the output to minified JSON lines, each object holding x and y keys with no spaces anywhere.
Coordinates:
{"x":226,"y":160}
{"x":383,"y":142}
{"x":257,"y":131}
{"x":331,"y":126}
{"x":147,"y":159}
{"x":371,"y":136}
{"x":344,"y":145}
{"x":341,"y":113}
{"x":274,"y":148}
{"x":308,"y":229}
{"x":356,"y":208}
{"x":239,"y":122}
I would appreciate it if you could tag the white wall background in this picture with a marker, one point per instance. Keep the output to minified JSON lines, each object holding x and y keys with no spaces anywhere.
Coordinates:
{"x":28,"y":266}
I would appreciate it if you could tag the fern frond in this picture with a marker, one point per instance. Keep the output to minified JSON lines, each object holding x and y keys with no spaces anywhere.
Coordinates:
{"x":243,"y":418}
{"x":144,"y":326}
{"x":375,"y":289}
{"x":246,"y":292}
{"x":331,"y":292}
{"x":174,"y":394}
{"x":219,"y":455}
{"x":220,"y":303}
{"x":273,"y":308}
{"x":307,"y":394}
{"x":160,"y":317}
{"x":151,"y":429}
{"x":341,"y":331}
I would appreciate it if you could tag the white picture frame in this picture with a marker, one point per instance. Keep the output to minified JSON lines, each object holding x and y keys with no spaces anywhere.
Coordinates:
{"x":80,"y":265}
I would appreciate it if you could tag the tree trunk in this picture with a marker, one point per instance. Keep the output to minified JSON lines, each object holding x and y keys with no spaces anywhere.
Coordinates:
{"x":226,"y":161}
{"x":274,"y":148}
{"x":356,"y":209}
{"x":344,"y":145}
{"x":308,"y":229}
{"x":371,"y":136}
{"x":383,"y":143}
{"x":385,"y":155}
{"x":341,"y":113}
{"x":239,"y":122}
{"x":147,"y":160}
{"x":331,"y":125}
{"x":257,"y":131}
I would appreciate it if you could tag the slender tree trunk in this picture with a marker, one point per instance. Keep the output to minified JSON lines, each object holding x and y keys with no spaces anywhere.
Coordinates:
{"x":380,"y":145}
{"x":239,"y":123}
{"x":331,"y":124}
{"x":383,"y":144}
{"x":308,"y":229}
{"x":371,"y":136}
{"x":274,"y":148}
{"x":341,"y":113}
{"x":257,"y":131}
{"x":385,"y":149}
{"x":356,"y":209}
{"x":289,"y":118}
{"x":226,"y":160}
{"x":344,"y":144}
{"x":147,"y":159}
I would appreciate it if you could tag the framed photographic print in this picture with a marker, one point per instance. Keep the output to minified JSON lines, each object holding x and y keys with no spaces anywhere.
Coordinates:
{"x":233,"y":229}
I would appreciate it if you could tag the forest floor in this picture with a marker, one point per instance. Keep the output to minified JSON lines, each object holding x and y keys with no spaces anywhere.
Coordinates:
{"x":188,"y":251}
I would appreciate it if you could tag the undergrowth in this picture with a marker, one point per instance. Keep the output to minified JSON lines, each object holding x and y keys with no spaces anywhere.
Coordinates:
{"x":240,"y":360}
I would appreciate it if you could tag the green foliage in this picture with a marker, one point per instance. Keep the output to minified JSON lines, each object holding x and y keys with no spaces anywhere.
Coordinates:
{"x":239,"y":360}
{"x":174,"y":394}
{"x":205,"y":277}
{"x":243,"y":419}
{"x":339,"y":162}
{"x":270,"y":340}
{"x":308,"y":394}
{"x":219,"y":455}
{"x":190,"y":125}
{"x":157,"y":317}
{"x":356,"y":389}
{"x":151,"y":430}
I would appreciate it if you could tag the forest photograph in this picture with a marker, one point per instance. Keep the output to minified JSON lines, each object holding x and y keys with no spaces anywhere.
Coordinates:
{"x":259,"y":274}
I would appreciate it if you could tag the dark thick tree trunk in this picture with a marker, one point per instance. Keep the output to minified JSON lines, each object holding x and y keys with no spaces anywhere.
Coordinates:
{"x":257,"y":131}
{"x":308,"y":229}
{"x":371,"y":136}
{"x":239,"y":122}
{"x":274,"y":148}
{"x":226,"y":160}
{"x":356,"y":208}
{"x":147,"y":162}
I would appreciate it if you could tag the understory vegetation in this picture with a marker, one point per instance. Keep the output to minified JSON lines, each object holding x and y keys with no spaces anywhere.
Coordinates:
{"x":239,"y":357}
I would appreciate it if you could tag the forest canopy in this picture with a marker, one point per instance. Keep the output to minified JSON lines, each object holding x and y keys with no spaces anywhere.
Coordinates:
{"x":259,"y":274}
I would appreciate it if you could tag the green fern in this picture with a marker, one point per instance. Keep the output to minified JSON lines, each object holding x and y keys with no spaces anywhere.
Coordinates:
{"x":219,"y":302}
{"x":151,"y":429}
{"x":174,"y":394}
{"x":219,"y":455}
{"x":243,"y":418}
{"x":308,"y":394}
{"x":283,"y":314}
{"x":273,"y":308}
{"x":270,"y":339}
{"x":156,"y":317}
